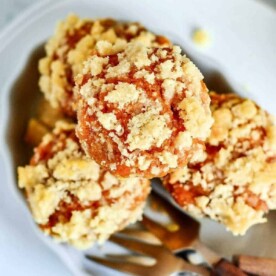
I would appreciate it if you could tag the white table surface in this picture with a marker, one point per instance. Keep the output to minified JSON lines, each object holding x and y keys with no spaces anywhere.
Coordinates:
{"x":45,"y":262}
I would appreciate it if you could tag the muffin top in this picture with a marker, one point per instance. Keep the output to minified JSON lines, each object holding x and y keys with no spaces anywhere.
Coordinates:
{"x":72,"y":44}
{"x":141,"y":110}
{"x":235,"y":180}
{"x":72,"y":198}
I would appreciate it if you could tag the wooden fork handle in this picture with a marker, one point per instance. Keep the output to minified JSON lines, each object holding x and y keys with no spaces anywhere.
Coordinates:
{"x":256,"y":265}
{"x":226,"y":268}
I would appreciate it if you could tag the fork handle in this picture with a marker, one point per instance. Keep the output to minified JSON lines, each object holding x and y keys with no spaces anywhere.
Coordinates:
{"x":226,"y":268}
{"x":221,"y":267}
{"x":256,"y":265}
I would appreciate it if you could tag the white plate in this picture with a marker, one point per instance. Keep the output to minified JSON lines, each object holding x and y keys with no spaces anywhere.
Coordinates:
{"x":243,"y":49}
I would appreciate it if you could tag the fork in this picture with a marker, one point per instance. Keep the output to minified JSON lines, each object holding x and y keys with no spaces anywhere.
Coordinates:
{"x":186,"y":236}
{"x":165,"y":262}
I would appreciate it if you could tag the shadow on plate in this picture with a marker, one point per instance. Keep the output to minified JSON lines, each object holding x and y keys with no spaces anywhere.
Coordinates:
{"x":24,"y":96}
{"x":216,"y":81}
{"x":213,"y":78}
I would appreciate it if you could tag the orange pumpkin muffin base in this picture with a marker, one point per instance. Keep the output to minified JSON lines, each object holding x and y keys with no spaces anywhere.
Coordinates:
{"x":71,"y":198}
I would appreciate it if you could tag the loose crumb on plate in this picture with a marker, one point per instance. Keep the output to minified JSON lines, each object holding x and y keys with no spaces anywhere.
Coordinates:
{"x":201,"y":37}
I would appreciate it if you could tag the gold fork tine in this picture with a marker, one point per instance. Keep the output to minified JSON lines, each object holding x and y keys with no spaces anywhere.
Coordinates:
{"x":188,"y":228}
{"x":133,"y":268}
{"x":137,"y":246}
{"x":138,"y":259}
{"x":176,"y":214}
{"x":141,"y":234}
{"x":155,"y":228}
{"x":173,"y":242}
{"x":165,"y":262}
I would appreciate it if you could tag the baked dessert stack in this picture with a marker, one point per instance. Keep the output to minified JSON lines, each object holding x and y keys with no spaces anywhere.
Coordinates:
{"x":130,"y":107}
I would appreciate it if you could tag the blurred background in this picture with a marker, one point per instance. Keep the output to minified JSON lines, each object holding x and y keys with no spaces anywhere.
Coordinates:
{"x":10,"y":8}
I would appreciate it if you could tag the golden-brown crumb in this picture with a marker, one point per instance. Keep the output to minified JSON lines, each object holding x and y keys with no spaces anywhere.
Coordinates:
{"x":48,"y":115}
{"x":35,"y":132}
{"x":235,"y":181}
{"x":44,"y":121}
{"x":201,"y":38}
{"x":71,"y":198}
{"x":72,"y":43}
{"x":142,"y":110}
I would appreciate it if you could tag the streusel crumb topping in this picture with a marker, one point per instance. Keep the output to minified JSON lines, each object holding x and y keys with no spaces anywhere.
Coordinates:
{"x":72,"y":198}
{"x":141,"y":110}
{"x":235,"y":181}
{"x":73,"y":42}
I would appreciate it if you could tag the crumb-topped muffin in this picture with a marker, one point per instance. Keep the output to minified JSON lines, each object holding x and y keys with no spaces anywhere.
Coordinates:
{"x":72,"y":43}
{"x":72,"y":198}
{"x":141,"y":110}
{"x":235,"y":180}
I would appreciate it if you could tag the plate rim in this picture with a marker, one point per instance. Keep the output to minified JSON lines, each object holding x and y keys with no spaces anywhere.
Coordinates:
{"x":15,"y":26}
